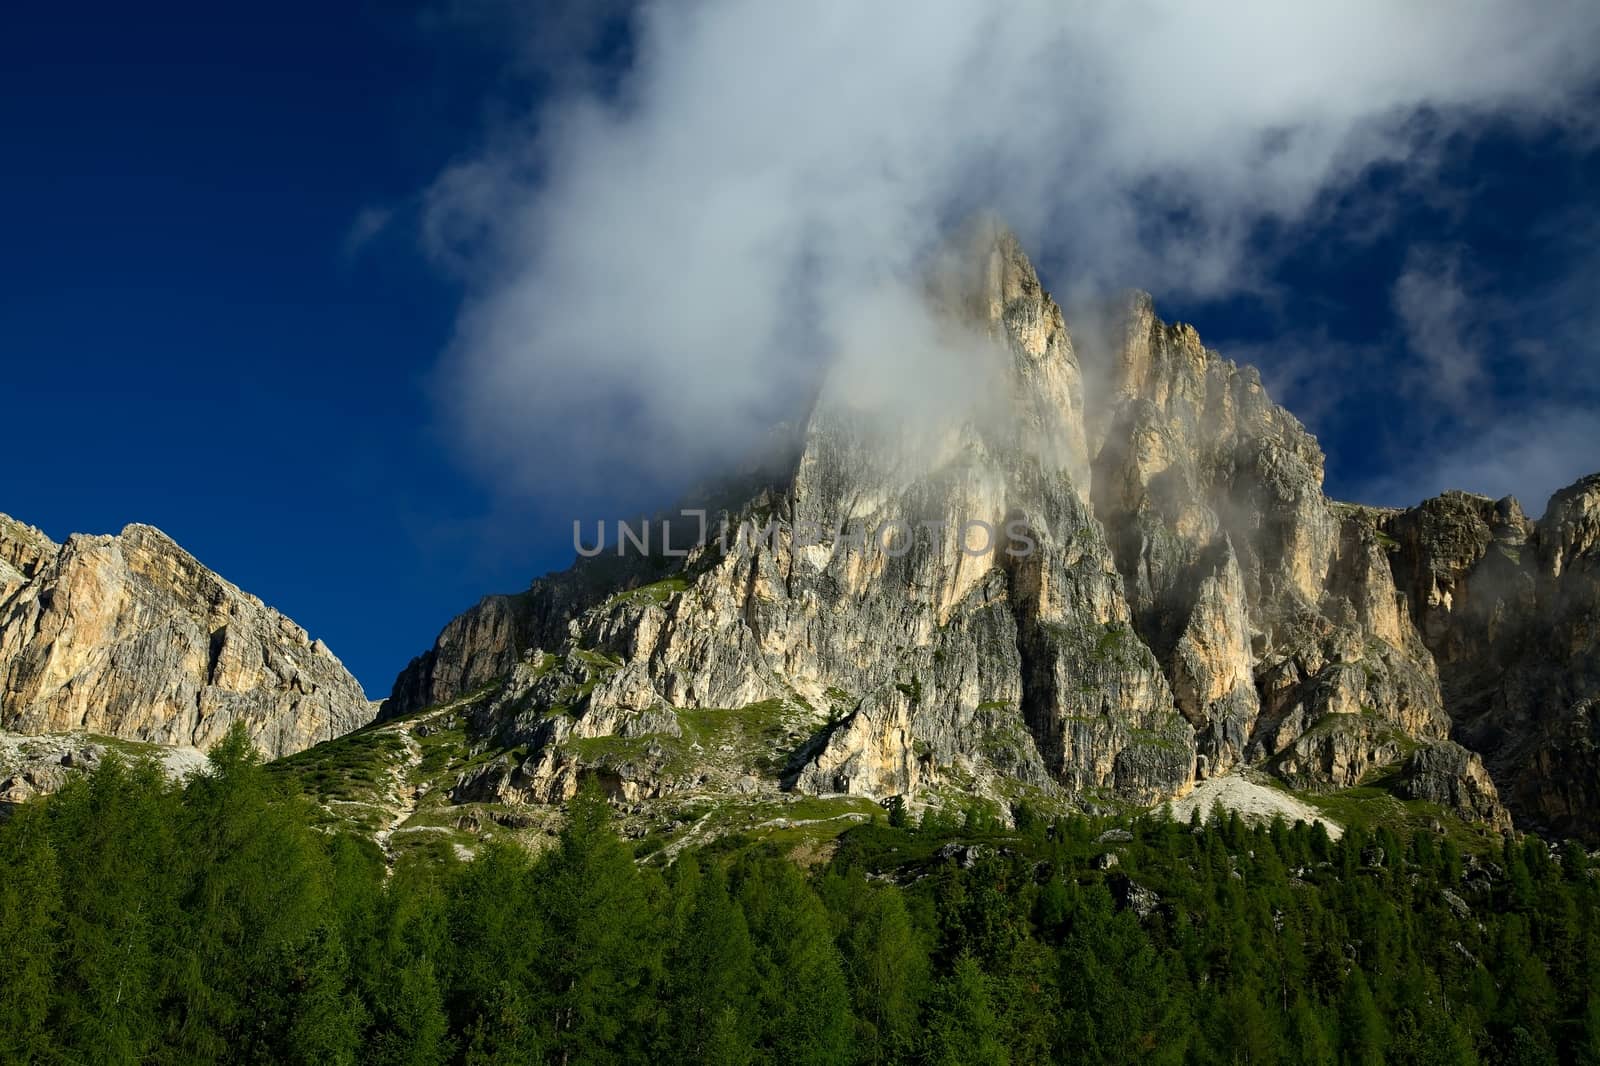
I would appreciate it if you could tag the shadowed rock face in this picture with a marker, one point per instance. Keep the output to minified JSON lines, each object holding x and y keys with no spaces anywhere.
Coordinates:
{"x":131,"y":637}
{"x":1511,"y":612}
{"x":1191,"y":603}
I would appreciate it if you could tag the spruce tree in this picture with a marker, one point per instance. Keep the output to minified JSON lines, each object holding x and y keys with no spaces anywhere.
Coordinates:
{"x":962,"y":1027}
{"x":30,"y":907}
{"x":596,"y":955}
{"x":802,"y":1001}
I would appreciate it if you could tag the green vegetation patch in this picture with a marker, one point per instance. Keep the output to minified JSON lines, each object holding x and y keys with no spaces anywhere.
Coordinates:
{"x":756,"y":739}
{"x":657,"y":592}
{"x":1371,"y":805}
{"x":358,"y":766}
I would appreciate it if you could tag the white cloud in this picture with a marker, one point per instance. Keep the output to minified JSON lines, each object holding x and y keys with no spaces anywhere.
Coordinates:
{"x":657,"y":272}
{"x":1439,"y":319}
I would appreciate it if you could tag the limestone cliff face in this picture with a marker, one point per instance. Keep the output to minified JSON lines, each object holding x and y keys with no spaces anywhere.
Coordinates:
{"x":1189,"y":601}
{"x":482,"y":645}
{"x":131,"y":637}
{"x":1510,"y":609}
{"x":1271,"y":608}
{"x":23,"y":550}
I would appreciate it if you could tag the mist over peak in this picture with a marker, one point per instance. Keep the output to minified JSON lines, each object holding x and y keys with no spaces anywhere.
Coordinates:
{"x":658,"y":269}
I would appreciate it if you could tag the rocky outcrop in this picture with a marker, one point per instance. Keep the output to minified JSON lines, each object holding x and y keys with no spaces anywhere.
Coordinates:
{"x":33,"y":766}
{"x":484,"y":643}
{"x":1449,"y":775}
{"x":479,"y":646}
{"x":23,"y":550}
{"x":130,"y":636}
{"x":1110,"y":570}
{"x":1270,"y":607}
{"x":1510,"y":610}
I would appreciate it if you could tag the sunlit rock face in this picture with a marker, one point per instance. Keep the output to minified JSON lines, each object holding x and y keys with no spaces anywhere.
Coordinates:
{"x":129,"y":636}
{"x":1244,"y":579}
{"x":1188,"y":600}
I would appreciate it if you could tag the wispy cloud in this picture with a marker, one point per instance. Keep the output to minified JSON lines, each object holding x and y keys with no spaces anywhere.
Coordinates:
{"x":560,"y":44}
{"x":1503,"y":394}
{"x":1526,"y":457}
{"x":1439,"y":320}
{"x":657,"y":266}
{"x":368,"y":224}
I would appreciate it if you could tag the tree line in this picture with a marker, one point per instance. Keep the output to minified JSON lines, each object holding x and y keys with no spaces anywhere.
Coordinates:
{"x":208,"y":921}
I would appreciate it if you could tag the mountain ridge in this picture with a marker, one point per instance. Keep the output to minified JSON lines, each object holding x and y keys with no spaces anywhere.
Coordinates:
{"x":1198,"y":605}
{"x":1191,"y":606}
{"x":130,"y":636}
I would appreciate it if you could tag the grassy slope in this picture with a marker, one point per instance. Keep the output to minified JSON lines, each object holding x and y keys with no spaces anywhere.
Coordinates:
{"x":391,"y":781}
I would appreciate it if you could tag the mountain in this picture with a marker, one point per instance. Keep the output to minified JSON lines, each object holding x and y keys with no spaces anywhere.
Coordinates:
{"x":1053,"y":568}
{"x":1510,"y":610}
{"x":1194,"y":606}
{"x":130,"y":637}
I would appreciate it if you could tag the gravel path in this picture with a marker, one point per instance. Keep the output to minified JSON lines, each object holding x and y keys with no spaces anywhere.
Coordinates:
{"x":405,"y":796}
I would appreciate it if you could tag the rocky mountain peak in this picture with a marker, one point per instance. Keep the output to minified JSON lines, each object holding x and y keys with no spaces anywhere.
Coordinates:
{"x":23,"y":550}
{"x":1570,"y":528}
{"x":1509,"y":610}
{"x":982,"y":272}
{"x":1191,"y":603}
{"x":132,"y":637}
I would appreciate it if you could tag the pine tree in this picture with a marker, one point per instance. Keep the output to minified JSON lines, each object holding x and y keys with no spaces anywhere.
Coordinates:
{"x":409,"y":1025}
{"x":802,"y":1000}
{"x":1434,"y":1040}
{"x":494,"y":938}
{"x":30,"y":905}
{"x":1308,"y":1039}
{"x":1250,"y":1032}
{"x":1587,"y":1052}
{"x":121,"y":875}
{"x":258,"y":896}
{"x":308,"y":1014}
{"x":1526,"y":1006}
{"x":596,"y":955}
{"x":888,"y":968}
{"x":1361,"y":1035}
{"x":710,"y":971}
{"x":962,"y":1027}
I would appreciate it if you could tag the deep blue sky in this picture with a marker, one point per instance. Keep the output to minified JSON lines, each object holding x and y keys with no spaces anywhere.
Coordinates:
{"x":188,"y":341}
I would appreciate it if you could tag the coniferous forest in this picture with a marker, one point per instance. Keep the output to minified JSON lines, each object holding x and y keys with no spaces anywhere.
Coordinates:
{"x":142,"y":921}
